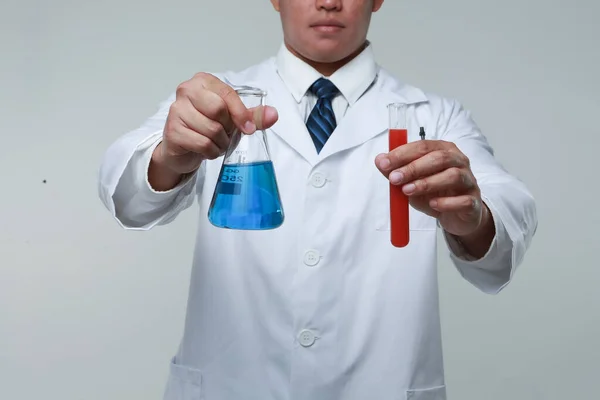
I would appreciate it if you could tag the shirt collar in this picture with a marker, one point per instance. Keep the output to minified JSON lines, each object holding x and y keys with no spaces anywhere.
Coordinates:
{"x":353,"y":79}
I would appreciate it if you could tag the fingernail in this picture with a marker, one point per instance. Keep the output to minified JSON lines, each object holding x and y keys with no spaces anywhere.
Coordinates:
{"x":408,"y":189}
{"x":385,"y":163}
{"x":396,"y":177}
{"x":249,"y":127}
{"x":433,"y":204}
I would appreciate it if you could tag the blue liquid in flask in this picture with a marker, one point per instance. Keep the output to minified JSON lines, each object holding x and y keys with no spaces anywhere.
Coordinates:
{"x":246,"y":197}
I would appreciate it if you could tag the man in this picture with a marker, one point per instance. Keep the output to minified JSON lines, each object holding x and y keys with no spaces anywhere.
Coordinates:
{"x":323,"y":307}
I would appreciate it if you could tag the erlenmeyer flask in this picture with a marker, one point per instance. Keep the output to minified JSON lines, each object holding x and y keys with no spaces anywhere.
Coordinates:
{"x":246,"y":195}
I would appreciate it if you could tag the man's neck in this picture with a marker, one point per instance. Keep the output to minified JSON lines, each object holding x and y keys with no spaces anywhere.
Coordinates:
{"x":328,"y":69}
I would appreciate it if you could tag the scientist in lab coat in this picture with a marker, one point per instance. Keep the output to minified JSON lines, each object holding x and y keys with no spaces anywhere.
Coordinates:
{"x":324,"y":307}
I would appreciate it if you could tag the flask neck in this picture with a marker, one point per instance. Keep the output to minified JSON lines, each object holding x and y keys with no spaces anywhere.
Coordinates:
{"x":252,"y":97}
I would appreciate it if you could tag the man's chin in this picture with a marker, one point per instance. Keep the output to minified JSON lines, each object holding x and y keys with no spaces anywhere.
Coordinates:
{"x":329,"y":51}
{"x":329,"y":54}
{"x":324,"y":51}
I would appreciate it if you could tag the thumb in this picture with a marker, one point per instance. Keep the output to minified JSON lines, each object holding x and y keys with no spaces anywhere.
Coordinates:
{"x":264,"y":116}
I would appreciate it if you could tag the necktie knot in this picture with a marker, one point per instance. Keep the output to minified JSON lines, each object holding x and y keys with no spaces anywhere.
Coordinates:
{"x":324,"y":89}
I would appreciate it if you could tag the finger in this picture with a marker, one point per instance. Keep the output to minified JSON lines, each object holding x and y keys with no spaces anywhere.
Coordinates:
{"x":422,"y":204}
{"x":383,"y":163}
{"x":240,"y":115}
{"x":407,"y":153}
{"x":466,"y":205}
{"x":206,"y":126}
{"x":192,"y":89}
{"x":214,"y":107}
{"x":264,"y":116}
{"x":430,"y":164}
{"x":403,"y":155}
{"x":201,"y":124}
{"x":453,"y":179}
{"x":182,"y":136}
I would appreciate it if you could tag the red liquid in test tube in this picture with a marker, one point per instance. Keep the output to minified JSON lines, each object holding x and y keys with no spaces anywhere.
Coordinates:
{"x":399,"y":204}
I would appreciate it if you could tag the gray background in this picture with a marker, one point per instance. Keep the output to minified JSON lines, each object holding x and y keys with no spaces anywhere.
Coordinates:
{"x":89,"y":311}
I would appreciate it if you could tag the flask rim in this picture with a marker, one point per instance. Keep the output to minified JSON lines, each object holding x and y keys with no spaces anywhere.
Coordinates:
{"x":250,"y":91}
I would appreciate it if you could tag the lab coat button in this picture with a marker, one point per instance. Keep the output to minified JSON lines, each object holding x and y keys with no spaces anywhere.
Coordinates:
{"x":306,"y":338}
{"x":318,"y":180}
{"x":311,"y":258}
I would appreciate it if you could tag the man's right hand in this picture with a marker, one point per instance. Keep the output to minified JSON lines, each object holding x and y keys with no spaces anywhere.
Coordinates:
{"x":199,"y":126}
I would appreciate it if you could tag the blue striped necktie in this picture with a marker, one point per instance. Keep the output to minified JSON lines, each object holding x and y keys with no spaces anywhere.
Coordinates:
{"x":321,"y":121}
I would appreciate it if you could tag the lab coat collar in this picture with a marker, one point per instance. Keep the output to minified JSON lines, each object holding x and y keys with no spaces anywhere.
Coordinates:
{"x":366,"y":120}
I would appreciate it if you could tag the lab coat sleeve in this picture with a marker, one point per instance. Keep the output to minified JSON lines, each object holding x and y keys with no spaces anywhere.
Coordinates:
{"x":123,"y":183}
{"x":511,"y":204}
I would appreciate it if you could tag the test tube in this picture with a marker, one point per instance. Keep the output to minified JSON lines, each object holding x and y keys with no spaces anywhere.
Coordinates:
{"x":399,"y":216}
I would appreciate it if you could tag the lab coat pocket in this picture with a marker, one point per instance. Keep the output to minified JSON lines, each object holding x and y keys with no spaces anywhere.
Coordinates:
{"x":435,"y":393}
{"x":184,"y":383}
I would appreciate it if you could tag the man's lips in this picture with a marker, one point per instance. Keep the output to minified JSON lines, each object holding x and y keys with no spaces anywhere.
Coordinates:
{"x":328,"y":26}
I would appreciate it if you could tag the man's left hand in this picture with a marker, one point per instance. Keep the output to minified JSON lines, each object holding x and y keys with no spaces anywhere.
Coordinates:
{"x":437,"y":178}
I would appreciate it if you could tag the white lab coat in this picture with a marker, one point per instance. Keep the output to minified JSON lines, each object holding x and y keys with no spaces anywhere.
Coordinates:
{"x":323,"y":307}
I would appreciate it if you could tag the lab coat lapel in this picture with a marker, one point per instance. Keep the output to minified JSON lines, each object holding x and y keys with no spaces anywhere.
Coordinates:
{"x":290,"y":126}
{"x":368,"y":117}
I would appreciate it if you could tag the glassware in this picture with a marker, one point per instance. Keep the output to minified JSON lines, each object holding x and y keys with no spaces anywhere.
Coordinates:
{"x":399,"y":204}
{"x":246,"y":195}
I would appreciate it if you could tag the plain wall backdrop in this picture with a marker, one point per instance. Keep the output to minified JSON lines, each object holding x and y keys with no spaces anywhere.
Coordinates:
{"x":89,"y":311}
